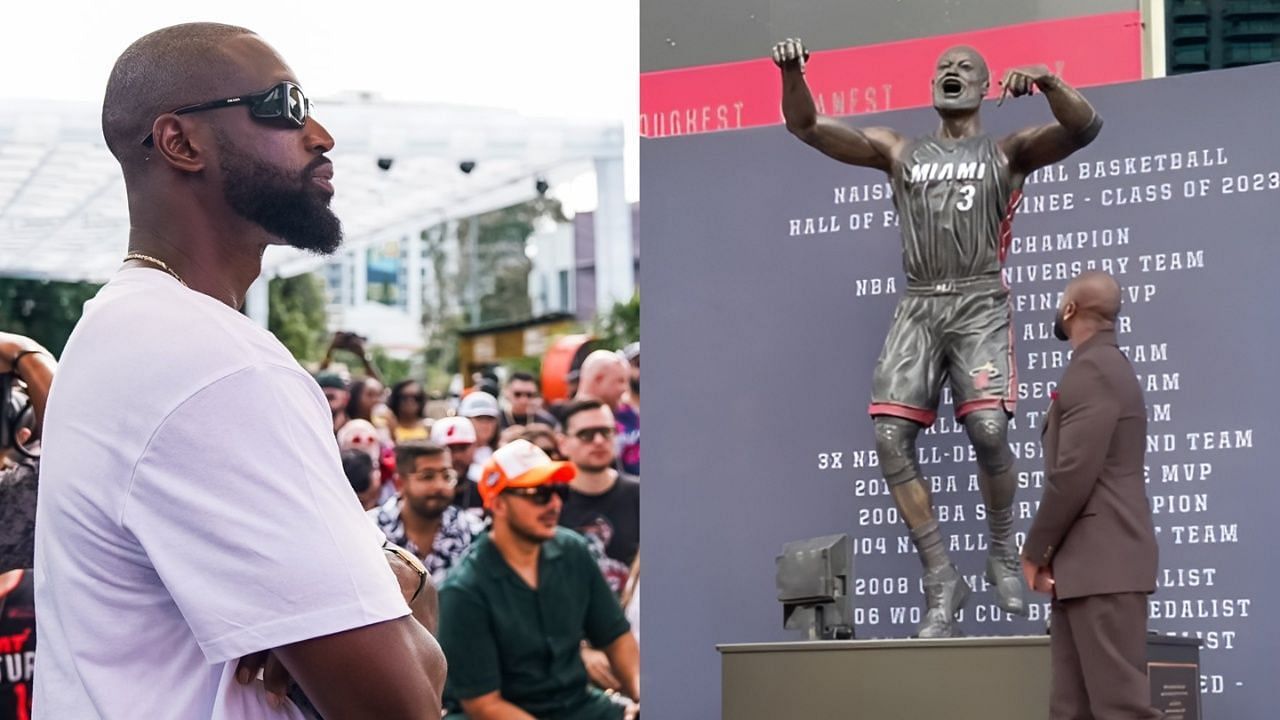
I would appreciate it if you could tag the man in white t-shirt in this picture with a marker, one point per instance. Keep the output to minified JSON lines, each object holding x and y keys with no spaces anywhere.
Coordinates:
{"x":193,"y":510}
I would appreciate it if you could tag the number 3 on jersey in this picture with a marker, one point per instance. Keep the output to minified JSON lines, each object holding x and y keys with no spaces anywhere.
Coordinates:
{"x":966,"y":197}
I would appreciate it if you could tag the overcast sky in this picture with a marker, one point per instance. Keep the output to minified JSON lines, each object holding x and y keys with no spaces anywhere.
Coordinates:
{"x":558,"y":58}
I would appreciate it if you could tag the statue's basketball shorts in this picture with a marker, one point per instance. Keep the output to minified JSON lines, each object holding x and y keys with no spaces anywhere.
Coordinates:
{"x":955,"y":331}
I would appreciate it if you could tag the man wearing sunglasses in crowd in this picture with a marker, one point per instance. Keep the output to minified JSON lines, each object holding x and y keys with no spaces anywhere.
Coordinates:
{"x":523,"y":403}
{"x":514,"y":611}
{"x":193,"y":510}
{"x":603,"y":504}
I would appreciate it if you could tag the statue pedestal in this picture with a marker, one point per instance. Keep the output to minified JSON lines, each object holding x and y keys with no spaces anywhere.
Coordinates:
{"x":981,"y":678}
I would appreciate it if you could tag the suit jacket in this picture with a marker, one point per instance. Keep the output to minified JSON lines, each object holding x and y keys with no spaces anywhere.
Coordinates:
{"x":1094,"y":522}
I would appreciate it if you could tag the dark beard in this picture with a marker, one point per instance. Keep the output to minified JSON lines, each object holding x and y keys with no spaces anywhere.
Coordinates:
{"x":288,"y":209}
{"x":525,"y":535}
{"x":424,"y":510}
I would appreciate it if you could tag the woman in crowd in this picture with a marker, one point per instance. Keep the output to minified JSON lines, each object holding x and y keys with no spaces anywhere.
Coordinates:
{"x":408,"y":409}
{"x":366,"y":395}
{"x":366,"y":403}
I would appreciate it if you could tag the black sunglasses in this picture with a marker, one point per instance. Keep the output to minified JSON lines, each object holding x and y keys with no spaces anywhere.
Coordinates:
{"x":540,"y":495}
{"x":283,"y":103}
{"x":587,"y":435}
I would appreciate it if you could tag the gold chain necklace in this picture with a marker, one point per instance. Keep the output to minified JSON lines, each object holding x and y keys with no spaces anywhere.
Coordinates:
{"x":158,"y":263}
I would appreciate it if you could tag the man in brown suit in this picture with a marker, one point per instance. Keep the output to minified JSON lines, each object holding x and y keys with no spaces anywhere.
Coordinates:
{"x":1092,"y":543}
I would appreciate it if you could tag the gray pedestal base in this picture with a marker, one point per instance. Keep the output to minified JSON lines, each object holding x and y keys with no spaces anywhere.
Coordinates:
{"x":991,"y":678}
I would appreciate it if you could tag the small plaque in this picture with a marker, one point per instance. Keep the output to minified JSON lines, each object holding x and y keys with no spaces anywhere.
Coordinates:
{"x":1175,"y":689}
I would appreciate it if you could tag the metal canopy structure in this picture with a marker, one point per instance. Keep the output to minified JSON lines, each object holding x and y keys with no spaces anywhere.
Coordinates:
{"x":63,"y":212}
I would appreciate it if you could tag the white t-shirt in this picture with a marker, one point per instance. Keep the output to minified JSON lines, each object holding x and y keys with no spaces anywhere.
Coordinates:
{"x":192,"y":510}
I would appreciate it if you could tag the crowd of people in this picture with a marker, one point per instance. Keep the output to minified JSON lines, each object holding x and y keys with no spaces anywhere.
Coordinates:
{"x":422,"y":482}
{"x":426,"y":483}
{"x":440,"y":487}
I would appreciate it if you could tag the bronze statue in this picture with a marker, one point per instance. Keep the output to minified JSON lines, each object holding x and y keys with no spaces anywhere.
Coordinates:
{"x":955,"y":191}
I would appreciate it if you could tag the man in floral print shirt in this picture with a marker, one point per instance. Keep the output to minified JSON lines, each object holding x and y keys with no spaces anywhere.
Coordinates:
{"x":422,"y":518}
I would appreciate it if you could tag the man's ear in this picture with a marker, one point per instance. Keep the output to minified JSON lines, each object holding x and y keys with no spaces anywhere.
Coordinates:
{"x":175,"y":144}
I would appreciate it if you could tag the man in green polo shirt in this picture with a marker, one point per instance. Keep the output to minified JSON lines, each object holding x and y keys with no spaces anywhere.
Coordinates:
{"x":514,"y":612}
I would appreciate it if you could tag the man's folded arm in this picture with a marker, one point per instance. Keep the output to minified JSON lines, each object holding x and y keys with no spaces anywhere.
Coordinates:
{"x":385,"y":671}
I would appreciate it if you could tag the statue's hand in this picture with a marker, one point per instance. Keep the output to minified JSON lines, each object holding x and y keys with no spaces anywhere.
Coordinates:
{"x":1021,"y":81}
{"x":790,"y":54}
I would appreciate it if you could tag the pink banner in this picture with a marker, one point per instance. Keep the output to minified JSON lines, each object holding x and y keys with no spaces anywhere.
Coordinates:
{"x":1089,"y":50}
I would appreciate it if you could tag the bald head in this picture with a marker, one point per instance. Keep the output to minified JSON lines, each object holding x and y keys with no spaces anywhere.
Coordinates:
{"x":968,"y":52}
{"x":960,"y":81}
{"x":252,"y":176}
{"x":1091,"y":303}
{"x":162,"y":71}
{"x":1097,"y":294}
{"x":604,"y":376}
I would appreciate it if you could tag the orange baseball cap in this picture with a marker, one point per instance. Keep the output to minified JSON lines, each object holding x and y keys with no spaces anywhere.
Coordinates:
{"x":521,"y":464}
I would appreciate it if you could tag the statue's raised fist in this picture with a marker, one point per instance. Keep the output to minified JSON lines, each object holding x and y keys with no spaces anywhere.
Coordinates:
{"x":790,"y":54}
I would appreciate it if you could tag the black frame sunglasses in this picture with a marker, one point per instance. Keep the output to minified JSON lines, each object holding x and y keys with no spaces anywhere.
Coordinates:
{"x":283,"y":102}
{"x":540,"y":494}
{"x":589,"y":434}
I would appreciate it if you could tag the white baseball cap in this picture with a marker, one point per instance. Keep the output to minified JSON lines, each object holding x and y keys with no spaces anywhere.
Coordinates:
{"x":360,"y":435}
{"x":479,"y":404}
{"x":453,"y":431}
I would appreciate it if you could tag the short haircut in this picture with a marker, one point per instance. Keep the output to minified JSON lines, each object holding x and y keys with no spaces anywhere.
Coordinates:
{"x":160,"y":72}
{"x":523,"y":377}
{"x":408,"y":452}
{"x":358,"y":466}
{"x":578,"y":406}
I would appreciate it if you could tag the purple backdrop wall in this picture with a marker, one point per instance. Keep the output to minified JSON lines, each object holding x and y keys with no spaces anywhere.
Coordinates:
{"x":764,"y":335}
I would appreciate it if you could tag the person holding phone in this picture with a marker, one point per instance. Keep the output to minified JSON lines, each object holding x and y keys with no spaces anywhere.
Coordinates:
{"x":26,"y":360}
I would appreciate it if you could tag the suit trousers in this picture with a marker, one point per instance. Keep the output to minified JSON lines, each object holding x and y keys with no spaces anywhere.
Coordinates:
{"x":1099,"y":649}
